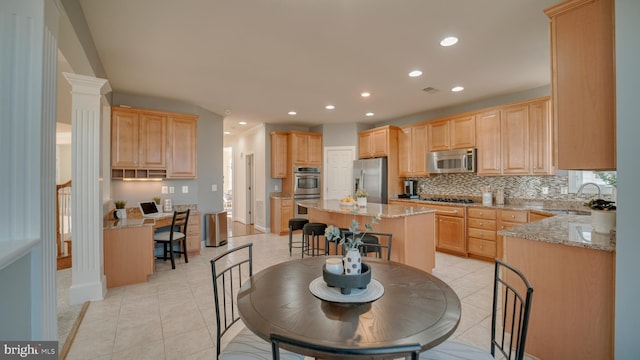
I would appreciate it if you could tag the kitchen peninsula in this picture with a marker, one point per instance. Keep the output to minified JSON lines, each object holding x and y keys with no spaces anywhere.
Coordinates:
{"x":413,"y":228}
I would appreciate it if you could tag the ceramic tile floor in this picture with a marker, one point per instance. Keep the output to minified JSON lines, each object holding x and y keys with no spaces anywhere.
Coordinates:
{"x":171,"y":316}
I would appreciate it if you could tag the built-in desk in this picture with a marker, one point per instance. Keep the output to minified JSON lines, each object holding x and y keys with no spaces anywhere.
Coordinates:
{"x":128,"y":249}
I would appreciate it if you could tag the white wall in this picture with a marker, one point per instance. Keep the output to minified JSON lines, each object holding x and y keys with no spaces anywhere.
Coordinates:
{"x":627,"y":326}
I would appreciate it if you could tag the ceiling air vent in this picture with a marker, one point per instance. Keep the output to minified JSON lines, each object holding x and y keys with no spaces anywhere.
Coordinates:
{"x":430,"y":90}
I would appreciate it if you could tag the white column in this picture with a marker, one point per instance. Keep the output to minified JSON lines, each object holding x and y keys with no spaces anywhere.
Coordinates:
{"x":87,"y":274}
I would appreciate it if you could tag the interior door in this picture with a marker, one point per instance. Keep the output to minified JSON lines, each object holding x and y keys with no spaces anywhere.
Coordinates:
{"x":338,"y":171}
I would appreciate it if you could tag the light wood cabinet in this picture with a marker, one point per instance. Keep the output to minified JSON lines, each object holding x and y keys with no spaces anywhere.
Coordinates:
{"x":412,"y":151}
{"x":194,"y":233}
{"x":457,"y":133}
{"x":152,"y":144}
{"x":281,"y":212}
{"x":540,"y":138}
{"x":488,"y":142}
{"x":534,"y":216}
{"x":183,"y":146}
{"x":481,"y":232}
{"x":511,"y":218}
{"x":305,"y":148}
{"x":450,"y":229}
{"x":583,"y":83}
{"x":278,"y":155}
{"x":376,"y":142}
{"x":514,"y":139}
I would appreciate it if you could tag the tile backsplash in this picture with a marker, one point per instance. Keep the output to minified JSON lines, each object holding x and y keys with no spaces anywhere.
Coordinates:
{"x":515,"y":187}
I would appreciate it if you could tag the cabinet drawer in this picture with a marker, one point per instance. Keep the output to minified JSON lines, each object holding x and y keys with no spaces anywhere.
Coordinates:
{"x":482,"y":213}
{"x":457,"y":211}
{"x":508,"y":224}
{"x":482,"y":234}
{"x":514,"y":216}
{"x":482,"y":247}
{"x":481,"y":224}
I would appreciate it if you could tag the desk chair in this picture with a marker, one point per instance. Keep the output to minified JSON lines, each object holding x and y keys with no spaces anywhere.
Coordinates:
{"x":229,"y":271}
{"x":411,"y":350}
{"x":512,"y":295}
{"x":177,"y":233}
{"x":296,"y":224}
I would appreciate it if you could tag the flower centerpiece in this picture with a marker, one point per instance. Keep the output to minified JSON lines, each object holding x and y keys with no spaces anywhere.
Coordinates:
{"x":351,"y":240}
{"x":361,"y":196}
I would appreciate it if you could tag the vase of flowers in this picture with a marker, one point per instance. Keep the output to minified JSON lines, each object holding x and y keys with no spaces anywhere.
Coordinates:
{"x":351,"y":240}
{"x":361,"y":197}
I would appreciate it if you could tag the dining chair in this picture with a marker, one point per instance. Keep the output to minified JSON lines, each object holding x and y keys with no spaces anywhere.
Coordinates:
{"x":512,"y":295}
{"x":408,"y":350}
{"x":177,"y":234}
{"x":229,"y":271}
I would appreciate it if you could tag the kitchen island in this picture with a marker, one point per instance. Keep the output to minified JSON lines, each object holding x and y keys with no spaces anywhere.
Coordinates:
{"x":571,"y":269}
{"x":413,"y":229}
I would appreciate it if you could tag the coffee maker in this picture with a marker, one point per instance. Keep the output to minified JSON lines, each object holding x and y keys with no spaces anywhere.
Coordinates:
{"x":410,"y":190}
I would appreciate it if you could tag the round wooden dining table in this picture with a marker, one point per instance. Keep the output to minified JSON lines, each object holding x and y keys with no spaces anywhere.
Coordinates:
{"x":415,"y":308}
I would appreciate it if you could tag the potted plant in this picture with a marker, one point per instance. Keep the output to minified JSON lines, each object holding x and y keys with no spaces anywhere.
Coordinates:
{"x":603,"y":215}
{"x":121,"y":211}
{"x":361,"y":197}
{"x":157,"y":200}
{"x":351,"y":241}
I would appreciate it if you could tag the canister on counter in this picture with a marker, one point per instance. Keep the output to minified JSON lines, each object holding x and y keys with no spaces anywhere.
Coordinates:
{"x":499,"y":197}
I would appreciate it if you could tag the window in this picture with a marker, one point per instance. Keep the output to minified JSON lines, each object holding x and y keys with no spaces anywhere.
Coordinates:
{"x":577,"y":178}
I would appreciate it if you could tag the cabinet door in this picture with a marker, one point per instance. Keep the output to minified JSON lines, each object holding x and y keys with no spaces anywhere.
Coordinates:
{"x":153,"y":141}
{"x":299,"y":148}
{"x":183,"y":142}
{"x":314,"y":151}
{"x":194,"y":234}
{"x":514,"y":138}
{"x":488,"y":142}
{"x":404,"y":153}
{"x":419,"y":150}
{"x":278,"y":155}
{"x":124,"y":138}
{"x":286,"y":213}
{"x":379,"y":142}
{"x":583,"y":83}
{"x":450,"y":234}
{"x":438,"y":132}
{"x":540,"y":138}
{"x":462,"y":132}
{"x":364,"y":145}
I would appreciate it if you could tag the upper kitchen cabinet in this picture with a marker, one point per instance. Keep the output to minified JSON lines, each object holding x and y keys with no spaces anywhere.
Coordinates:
{"x":488,"y":142}
{"x":138,"y":143}
{"x":540,"y":137}
{"x":278,"y":155}
{"x":514,"y":139}
{"x":377,"y":142}
{"x":456,"y":133}
{"x":305,"y":148}
{"x":182,"y":146}
{"x":583,"y":88}
{"x":412,"y":151}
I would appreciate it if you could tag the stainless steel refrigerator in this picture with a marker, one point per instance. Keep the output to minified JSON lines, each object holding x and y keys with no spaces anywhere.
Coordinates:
{"x":371,"y":175}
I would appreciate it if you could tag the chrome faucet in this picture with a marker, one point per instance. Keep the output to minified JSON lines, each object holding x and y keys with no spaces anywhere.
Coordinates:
{"x":579,"y":193}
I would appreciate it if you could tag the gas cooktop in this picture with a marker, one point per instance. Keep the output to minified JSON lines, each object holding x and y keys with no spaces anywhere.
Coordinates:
{"x":451,"y":200}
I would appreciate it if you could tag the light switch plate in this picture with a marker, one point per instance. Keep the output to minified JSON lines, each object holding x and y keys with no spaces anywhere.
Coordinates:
{"x":185,"y":189}
{"x":214,"y":187}
{"x":545,"y":190}
{"x":171,"y":189}
{"x":165,"y":189}
{"x":564,"y":190}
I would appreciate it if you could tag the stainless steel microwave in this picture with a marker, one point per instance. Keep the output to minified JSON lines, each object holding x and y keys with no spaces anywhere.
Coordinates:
{"x":452,"y":161}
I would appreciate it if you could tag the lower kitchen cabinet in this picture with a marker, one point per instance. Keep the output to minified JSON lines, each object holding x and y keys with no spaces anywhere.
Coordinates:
{"x":450,"y":229}
{"x":194,"y":234}
{"x":481,"y":232}
{"x":281,"y":212}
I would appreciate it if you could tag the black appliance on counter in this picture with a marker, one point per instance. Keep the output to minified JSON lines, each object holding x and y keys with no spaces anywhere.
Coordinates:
{"x":410,"y":190}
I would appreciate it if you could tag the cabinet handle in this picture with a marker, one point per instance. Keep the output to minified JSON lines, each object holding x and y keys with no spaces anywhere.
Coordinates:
{"x":454,"y":212}
{"x":513,"y":216}
{"x":481,"y":224}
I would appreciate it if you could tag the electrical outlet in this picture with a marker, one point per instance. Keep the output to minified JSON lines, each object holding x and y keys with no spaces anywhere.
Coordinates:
{"x":564,"y":190}
{"x":276,"y":188}
{"x":185,"y":189}
{"x":545,"y":190}
{"x":165,"y":189}
{"x":171,"y":189}
{"x":214,"y":187}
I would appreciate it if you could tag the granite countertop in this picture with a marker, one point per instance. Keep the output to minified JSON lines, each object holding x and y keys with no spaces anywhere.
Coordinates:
{"x":133,"y":222}
{"x":541,"y":207}
{"x":571,"y":230}
{"x":372,"y":209}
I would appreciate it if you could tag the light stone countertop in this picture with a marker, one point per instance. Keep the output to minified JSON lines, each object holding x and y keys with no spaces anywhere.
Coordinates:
{"x":133,"y":222}
{"x":571,"y":230}
{"x":372,"y":209}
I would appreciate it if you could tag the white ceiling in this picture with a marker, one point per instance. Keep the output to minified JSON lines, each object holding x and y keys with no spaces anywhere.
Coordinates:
{"x":256,"y":60}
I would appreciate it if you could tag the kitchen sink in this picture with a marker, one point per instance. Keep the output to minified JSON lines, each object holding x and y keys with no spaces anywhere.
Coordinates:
{"x":569,"y":212}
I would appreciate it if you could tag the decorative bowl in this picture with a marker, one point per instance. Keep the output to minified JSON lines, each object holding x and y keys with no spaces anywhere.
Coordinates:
{"x":348,"y":282}
{"x":348,"y":204}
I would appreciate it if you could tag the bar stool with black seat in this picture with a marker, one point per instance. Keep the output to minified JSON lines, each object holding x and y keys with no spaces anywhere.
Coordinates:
{"x":311,"y":234}
{"x":296,"y":224}
{"x":371,"y":244}
{"x":177,"y":233}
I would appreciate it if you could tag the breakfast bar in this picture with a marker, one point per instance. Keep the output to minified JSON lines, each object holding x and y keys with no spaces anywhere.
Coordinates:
{"x":413,"y":229}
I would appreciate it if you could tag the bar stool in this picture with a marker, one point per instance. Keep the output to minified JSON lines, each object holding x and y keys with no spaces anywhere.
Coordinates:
{"x":296,"y":224}
{"x":311,"y":233}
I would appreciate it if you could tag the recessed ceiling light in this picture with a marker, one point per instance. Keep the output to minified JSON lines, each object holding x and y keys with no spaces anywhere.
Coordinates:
{"x":457,"y":88}
{"x":329,"y":107}
{"x":292,"y":113}
{"x":242,"y":123}
{"x":415,"y":73}
{"x":227,"y":133}
{"x":370,"y":114}
{"x":365,"y":94}
{"x":448,"y":41}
